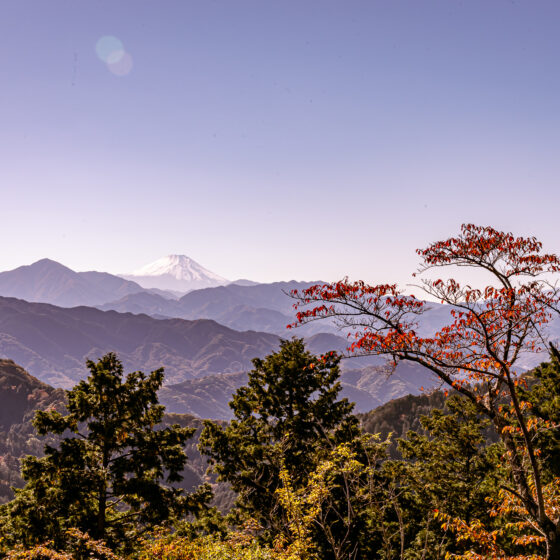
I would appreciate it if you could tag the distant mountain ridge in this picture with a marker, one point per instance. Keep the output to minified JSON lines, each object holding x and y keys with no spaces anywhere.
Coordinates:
{"x":52,"y":343}
{"x":368,"y":387}
{"x":241,"y":305}
{"x":51,"y":282}
{"x":260,"y":307}
{"x":175,"y":272}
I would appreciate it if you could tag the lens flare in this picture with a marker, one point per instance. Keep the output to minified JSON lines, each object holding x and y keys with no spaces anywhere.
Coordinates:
{"x":122,"y":66}
{"x":115,"y":57}
{"x":111,"y":51}
{"x":106,"y":46}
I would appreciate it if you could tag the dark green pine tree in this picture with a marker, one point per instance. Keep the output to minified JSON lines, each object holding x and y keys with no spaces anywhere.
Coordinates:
{"x":287,"y":414}
{"x":106,"y":475}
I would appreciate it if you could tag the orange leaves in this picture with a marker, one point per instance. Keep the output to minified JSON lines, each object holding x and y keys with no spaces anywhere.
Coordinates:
{"x":489,"y":327}
{"x":491,"y":249}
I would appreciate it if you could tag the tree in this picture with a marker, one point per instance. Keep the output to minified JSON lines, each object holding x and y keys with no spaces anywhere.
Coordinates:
{"x":450,"y":469}
{"x":478,"y":352}
{"x":285,"y":416}
{"x":342,"y":509}
{"x":106,"y":476}
{"x":543,"y":396}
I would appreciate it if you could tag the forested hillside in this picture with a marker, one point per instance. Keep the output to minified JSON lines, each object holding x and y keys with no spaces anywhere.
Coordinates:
{"x":428,"y":451}
{"x":22,"y":394}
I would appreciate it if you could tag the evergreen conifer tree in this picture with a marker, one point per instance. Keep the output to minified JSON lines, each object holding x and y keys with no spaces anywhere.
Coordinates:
{"x":106,"y":475}
{"x":286,"y":416}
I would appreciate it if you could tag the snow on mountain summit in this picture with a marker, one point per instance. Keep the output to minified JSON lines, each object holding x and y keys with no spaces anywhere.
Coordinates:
{"x":180,"y":267}
{"x":176,"y":272}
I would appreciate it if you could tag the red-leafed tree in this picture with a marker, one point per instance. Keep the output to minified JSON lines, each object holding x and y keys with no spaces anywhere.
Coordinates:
{"x":478,"y":352}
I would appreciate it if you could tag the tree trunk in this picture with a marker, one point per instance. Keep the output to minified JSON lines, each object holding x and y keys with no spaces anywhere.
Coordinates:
{"x":101,"y":508}
{"x":102,"y":498}
{"x":554,"y":545}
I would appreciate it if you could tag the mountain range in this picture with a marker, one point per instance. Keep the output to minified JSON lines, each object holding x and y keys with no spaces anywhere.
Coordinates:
{"x":206,"y":339}
{"x":53,"y":343}
{"x":262,"y":307}
{"x":21,"y":395}
{"x":48,"y":281}
{"x":243,"y":305}
{"x":367,"y":387}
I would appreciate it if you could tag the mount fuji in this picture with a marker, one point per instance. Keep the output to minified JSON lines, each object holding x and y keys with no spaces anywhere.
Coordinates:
{"x":178,"y":273}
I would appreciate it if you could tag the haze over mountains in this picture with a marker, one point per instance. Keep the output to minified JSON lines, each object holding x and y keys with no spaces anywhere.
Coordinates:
{"x":52,"y":282}
{"x":367,"y":387}
{"x":241,"y":306}
{"x":205,"y":339}
{"x":53,"y":343}
{"x":262,"y":307}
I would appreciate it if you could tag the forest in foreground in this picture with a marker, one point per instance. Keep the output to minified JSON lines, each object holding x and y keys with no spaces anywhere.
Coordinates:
{"x":479,"y":477}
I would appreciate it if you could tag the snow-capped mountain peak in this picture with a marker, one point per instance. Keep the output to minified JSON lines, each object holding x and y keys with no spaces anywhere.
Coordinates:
{"x":176,"y":272}
{"x":180,"y":267}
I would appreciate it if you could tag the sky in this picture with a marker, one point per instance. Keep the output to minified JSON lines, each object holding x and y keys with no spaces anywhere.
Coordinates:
{"x":274,"y":140}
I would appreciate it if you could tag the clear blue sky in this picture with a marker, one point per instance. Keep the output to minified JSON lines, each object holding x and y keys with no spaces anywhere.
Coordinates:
{"x":275,"y":139}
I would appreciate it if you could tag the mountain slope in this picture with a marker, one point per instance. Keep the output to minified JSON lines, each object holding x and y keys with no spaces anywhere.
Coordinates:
{"x":261,"y":307}
{"x":53,"y":343}
{"x":368,"y":387}
{"x":21,"y":394}
{"x":51,"y":282}
{"x":175,"y":272}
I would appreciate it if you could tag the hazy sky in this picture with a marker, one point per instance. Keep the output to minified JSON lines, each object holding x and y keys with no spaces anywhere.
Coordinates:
{"x":274,"y":139}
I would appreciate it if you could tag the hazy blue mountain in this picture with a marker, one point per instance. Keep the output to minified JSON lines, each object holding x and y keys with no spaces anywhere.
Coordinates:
{"x":244,"y":282}
{"x":369,"y":387}
{"x":147,"y":302}
{"x":166,"y":294}
{"x":52,"y":342}
{"x":270,"y":296}
{"x":260,"y":307}
{"x":51,"y":282}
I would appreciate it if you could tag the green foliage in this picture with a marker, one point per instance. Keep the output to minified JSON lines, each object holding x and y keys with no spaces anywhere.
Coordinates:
{"x":543,"y":394}
{"x":397,"y":417}
{"x":310,"y":485}
{"x":344,"y":498}
{"x":242,"y":545}
{"x":358,"y":504}
{"x":160,"y":544}
{"x":285,"y":417}
{"x":80,"y":547}
{"x":105,"y":477}
{"x":451,"y":469}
